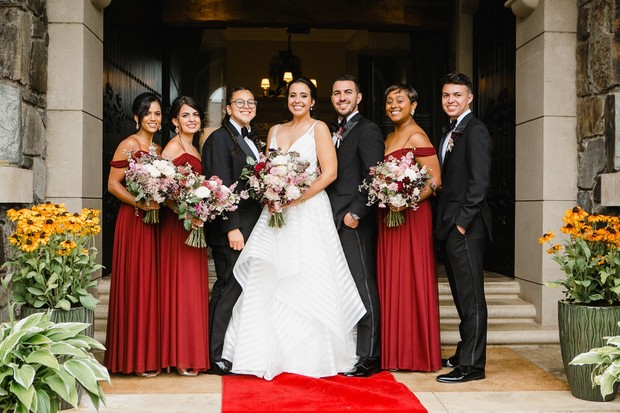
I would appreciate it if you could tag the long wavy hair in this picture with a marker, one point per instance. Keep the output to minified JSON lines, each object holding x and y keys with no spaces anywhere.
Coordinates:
{"x":175,"y":108}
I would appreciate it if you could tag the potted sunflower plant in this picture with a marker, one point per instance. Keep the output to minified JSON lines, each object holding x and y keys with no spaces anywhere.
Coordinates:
{"x":589,"y":256}
{"x":51,"y":263}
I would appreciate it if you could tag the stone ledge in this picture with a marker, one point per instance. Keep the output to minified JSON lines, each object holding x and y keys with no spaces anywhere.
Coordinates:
{"x":610,"y":189}
{"x":17,"y":185}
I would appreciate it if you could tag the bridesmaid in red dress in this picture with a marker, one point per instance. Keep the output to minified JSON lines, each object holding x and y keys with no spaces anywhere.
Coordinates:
{"x":406,"y":274}
{"x":132,"y":338}
{"x":184,"y":294}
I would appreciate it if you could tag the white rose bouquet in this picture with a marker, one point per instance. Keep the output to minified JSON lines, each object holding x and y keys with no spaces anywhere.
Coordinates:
{"x":202,"y":199}
{"x":152,"y":178}
{"x":276,"y":181}
{"x":396,"y":184}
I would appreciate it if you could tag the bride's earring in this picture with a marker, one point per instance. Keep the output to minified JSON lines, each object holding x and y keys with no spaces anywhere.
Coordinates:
{"x":176,"y":129}
{"x":137,"y":126}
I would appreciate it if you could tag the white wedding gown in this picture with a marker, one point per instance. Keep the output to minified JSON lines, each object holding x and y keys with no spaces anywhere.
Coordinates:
{"x":299,"y":305}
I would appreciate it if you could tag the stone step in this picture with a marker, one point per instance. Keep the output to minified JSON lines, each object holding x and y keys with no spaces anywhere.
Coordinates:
{"x":510,"y":319}
{"x":496,"y":308}
{"x":507,"y":333}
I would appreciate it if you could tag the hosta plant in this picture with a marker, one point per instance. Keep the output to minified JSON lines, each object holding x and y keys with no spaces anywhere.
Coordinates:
{"x":41,"y":363}
{"x":606,"y":361}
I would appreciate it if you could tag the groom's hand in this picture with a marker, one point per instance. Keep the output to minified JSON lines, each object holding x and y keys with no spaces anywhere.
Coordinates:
{"x":349,"y":221}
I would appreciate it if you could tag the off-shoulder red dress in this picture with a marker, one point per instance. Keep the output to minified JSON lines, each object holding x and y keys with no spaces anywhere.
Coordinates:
{"x":133,"y":332}
{"x":184,"y":292}
{"x":407,"y":284}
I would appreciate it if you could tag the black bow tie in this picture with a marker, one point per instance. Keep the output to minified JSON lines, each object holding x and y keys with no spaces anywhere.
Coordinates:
{"x":341,"y":124}
{"x":244,"y":132}
{"x":448,"y":128}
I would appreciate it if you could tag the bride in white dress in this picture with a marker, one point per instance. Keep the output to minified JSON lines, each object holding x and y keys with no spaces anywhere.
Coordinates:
{"x":299,"y":305}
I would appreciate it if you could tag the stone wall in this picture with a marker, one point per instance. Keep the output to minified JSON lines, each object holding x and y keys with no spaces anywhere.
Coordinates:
{"x":598,"y":96}
{"x":23,"y":85}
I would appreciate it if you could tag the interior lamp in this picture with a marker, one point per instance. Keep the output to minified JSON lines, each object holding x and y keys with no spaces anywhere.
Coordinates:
{"x":265,"y":85}
{"x":288,"y":77}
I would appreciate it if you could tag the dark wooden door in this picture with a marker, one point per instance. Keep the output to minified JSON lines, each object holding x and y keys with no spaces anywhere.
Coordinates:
{"x":494,"y":104}
{"x":132,"y":65}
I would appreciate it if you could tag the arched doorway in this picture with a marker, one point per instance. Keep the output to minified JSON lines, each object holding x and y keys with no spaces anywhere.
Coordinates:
{"x":175,"y":49}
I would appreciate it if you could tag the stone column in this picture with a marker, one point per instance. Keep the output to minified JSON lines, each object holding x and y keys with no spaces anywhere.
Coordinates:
{"x":75,"y":103}
{"x":546,"y":142}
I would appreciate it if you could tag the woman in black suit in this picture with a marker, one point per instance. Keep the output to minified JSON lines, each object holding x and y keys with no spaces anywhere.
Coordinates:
{"x":225,"y":154}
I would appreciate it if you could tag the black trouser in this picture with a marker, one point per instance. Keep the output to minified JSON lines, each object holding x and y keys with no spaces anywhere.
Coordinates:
{"x":226,"y":291}
{"x":360,"y":246}
{"x":463,"y":259}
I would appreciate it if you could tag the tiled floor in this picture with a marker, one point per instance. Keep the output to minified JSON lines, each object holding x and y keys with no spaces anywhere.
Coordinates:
{"x":547,"y":357}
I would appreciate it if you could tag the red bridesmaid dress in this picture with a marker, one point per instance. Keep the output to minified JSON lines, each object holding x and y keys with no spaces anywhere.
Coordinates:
{"x":184,"y":292}
{"x":133,"y":334}
{"x":407,"y":283}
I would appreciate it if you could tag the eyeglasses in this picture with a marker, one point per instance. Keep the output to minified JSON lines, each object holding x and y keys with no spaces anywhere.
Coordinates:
{"x":241,"y":103}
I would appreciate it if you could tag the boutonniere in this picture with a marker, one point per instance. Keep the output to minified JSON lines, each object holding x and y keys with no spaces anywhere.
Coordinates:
{"x":450,"y":144}
{"x":337,"y":138}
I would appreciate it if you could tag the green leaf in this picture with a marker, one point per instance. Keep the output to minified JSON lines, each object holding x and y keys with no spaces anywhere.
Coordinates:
{"x":25,"y":395}
{"x":88,"y":301}
{"x":64,"y":304}
{"x":58,"y":385}
{"x":24,"y":375}
{"x":35,"y":291}
{"x":590,"y":357}
{"x":44,"y":357}
{"x":43,"y":401}
{"x":66,"y":349}
{"x":83,"y":373}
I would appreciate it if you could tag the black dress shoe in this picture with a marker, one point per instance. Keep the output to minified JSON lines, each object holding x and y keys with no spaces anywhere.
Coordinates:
{"x":461,"y":374}
{"x":365,"y":367}
{"x":451,"y":362}
{"x":220,"y":368}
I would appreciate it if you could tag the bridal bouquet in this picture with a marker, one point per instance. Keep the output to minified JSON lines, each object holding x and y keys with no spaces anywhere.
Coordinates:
{"x":396,"y":184}
{"x":152,"y":178}
{"x":276,"y":181}
{"x":203,"y":199}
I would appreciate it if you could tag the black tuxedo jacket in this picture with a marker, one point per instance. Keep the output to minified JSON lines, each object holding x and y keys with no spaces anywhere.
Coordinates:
{"x":361,"y":147}
{"x":465,"y":177}
{"x":225,"y":157}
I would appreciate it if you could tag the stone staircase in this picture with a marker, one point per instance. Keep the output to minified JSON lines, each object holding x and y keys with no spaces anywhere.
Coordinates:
{"x":511,"y":319}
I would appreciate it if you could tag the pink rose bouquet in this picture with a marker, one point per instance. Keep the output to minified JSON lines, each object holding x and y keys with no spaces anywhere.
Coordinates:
{"x":396,"y":184}
{"x":202,"y":199}
{"x":276,"y":181}
{"x":152,"y":178}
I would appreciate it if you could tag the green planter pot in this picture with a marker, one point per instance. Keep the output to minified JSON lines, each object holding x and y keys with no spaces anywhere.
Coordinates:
{"x":582,"y":328}
{"x":75,"y":315}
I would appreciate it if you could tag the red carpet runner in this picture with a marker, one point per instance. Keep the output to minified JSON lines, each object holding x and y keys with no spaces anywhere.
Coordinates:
{"x":294,"y":393}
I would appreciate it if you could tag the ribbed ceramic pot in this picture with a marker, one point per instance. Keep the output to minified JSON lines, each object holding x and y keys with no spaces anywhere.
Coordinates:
{"x":582,"y":328}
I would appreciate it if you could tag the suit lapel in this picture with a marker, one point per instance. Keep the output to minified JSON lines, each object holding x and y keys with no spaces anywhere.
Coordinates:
{"x":457,"y":134}
{"x":242,"y":143}
{"x":350,"y":125}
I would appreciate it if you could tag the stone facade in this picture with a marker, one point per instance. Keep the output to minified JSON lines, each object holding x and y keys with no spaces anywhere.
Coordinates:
{"x":598,"y":97}
{"x":23,"y":85}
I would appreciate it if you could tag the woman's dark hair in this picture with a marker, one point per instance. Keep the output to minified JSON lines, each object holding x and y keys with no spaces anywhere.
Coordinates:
{"x":458,"y":79}
{"x":307,"y":82}
{"x":398,"y":87}
{"x":175,"y":108}
{"x":142,"y":103}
